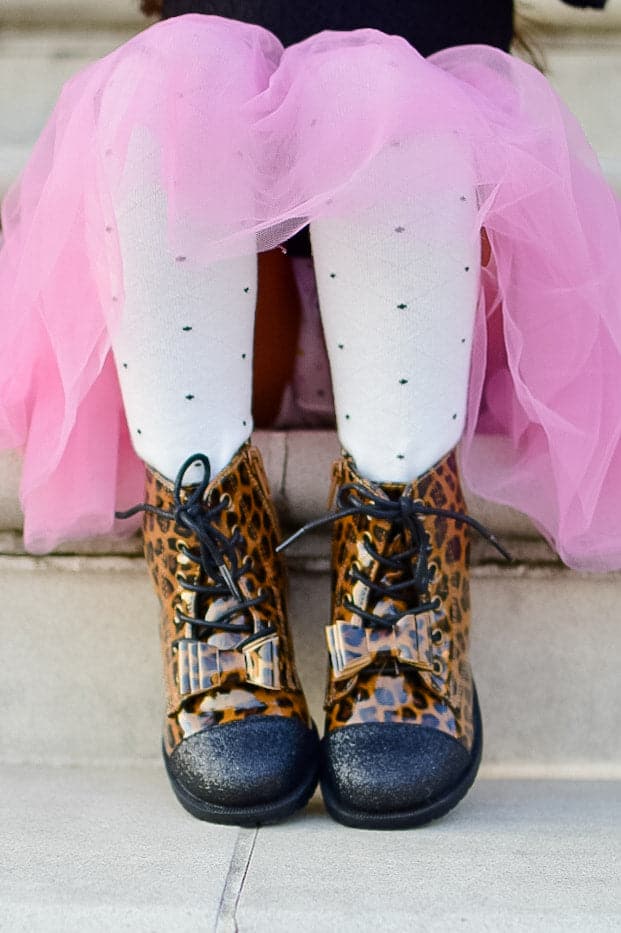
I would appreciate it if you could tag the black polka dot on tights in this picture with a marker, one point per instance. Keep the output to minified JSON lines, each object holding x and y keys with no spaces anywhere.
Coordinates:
{"x":402,"y":307}
{"x":399,"y":229}
{"x":187,"y":327}
{"x":180,"y":258}
{"x":347,"y":417}
{"x":466,"y":268}
{"x":400,"y":457}
{"x":138,"y":431}
{"x":463,"y":197}
{"x":333,"y":275}
{"x":124,"y":365}
{"x":244,"y":423}
{"x":341,"y":345}
{"x":455,"y":417}
{"x":247,"y":289}
{"x":189,"y":397}
{"x":243,"y":356}
{"x":403,"y":382}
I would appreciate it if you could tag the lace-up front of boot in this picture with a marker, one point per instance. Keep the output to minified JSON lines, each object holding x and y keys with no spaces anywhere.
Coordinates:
{"x":398,"y":642}
{"x":238,"y":739}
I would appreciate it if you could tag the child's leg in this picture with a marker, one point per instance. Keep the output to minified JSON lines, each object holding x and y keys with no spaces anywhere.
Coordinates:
{"x":184,"y":346}
{"x":398,"y":290}
{"x":184,"y":338}
{"x":238,"y":741}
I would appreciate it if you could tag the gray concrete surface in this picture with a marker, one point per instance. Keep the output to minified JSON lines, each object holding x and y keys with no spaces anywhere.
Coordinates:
{"x":528,"y":856}
{"x":105,"y":850}
{"x":99,"y":850}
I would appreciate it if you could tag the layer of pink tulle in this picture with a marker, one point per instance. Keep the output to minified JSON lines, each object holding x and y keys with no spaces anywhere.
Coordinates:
{"x":251,"y":143}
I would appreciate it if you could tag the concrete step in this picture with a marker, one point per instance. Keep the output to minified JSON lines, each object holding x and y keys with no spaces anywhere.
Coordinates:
{"x":110,"y":849}
{"x":36,"y":14}
{"x":81,"y":667}
{"x":556,"y":17}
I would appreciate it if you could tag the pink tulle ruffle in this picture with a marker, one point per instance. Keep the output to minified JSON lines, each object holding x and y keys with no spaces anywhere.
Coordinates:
{"x":252,"y":142}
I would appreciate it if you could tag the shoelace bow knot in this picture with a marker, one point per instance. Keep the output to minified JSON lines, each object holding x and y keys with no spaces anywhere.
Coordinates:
{"x":385,"y":643}
{"x":354,"y":499}
{"x":214,"y":549}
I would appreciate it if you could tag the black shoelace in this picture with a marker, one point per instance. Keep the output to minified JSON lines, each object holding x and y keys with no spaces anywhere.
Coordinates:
{"x":214,"y":551}
{"x":412,"y":564}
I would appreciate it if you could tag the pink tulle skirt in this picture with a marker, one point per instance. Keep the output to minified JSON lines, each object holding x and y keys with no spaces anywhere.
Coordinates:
{"x":250,"y":143}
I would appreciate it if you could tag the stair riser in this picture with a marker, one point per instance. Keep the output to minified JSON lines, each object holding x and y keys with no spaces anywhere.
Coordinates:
{"x":81,"y":667}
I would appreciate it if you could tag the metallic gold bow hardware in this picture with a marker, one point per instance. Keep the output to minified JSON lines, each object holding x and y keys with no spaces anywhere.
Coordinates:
{"x":203,"y":665}
{"x":353,"y":647}
{"x":262,"y":663}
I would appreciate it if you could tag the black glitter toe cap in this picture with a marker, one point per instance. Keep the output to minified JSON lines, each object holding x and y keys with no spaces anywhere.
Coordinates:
{"x":252,"y":761}
{"x":391,"y":767}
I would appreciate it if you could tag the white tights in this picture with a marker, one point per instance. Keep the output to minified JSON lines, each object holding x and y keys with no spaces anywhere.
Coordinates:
{"x":397,"y":288}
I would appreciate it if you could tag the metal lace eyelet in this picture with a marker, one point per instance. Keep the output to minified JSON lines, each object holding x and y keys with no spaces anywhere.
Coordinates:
{"x":349,"y":573}
{"x":436,"y":604}
{"x":437,"y":667}
{"x":436,"y":636}
{"x":228,"y":502}
{"x":433,"y":570}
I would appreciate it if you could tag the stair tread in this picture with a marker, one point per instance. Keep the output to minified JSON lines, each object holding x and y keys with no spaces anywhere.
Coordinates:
{"x":100,"y":849}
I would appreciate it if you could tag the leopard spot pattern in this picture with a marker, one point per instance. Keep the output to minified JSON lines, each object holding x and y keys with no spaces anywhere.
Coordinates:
{"x":391,"y":691}
{"x":232,"y":697}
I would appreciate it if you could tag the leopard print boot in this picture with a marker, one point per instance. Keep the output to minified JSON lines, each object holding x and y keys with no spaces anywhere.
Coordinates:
{"x":403,"y":731}
{"x":239,"y":745}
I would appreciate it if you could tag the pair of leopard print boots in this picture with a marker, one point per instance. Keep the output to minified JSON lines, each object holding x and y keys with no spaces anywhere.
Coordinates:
{"x":402,"y":742}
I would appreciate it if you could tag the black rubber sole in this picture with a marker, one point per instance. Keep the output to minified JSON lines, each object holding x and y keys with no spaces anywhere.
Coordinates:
{"x":410,"y":819}
{"x":259,"y":815}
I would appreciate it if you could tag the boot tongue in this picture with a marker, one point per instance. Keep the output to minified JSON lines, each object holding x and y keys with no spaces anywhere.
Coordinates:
{"x":389,"y":540}
{"x":393,"y":491}
{"x":350,"y":474}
